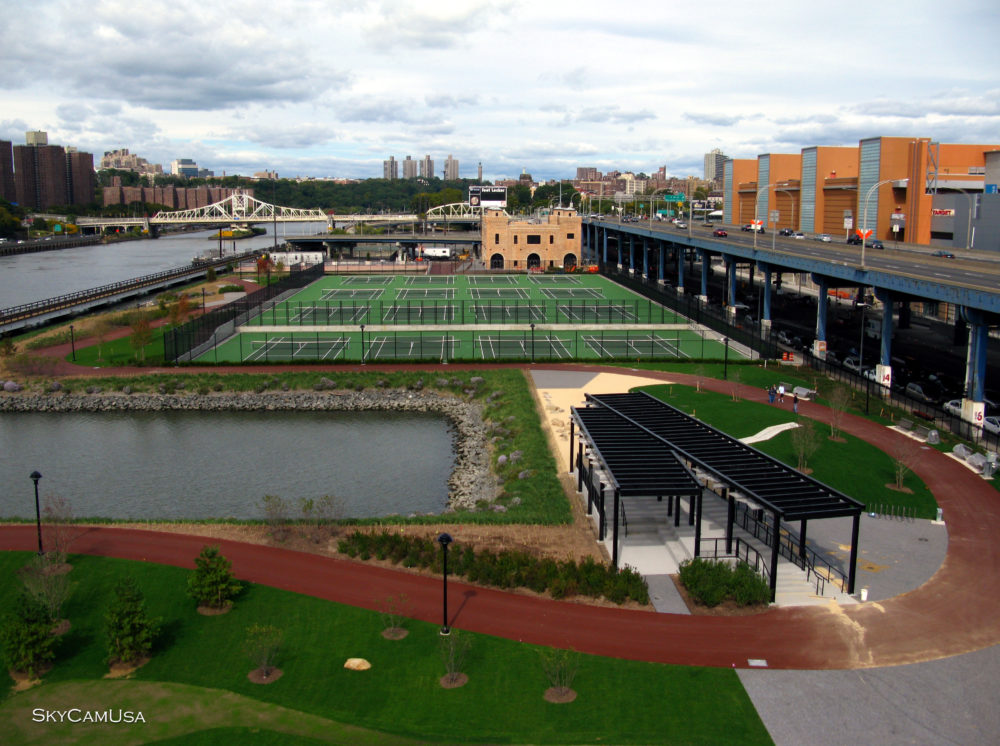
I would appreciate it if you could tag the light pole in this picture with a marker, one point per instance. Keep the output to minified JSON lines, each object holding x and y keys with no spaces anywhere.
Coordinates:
{"x":725,"y":364}
{"x":532,"y":341}
{"x":861,"y":354}
{"x":756,"y":203}
{"x":864,"y":226}
{"x":72,"y":342}
{"x":444,"y":540}
{"x":652,"y":201}
{"x":35,"y":476}
{"x":362,"y":344}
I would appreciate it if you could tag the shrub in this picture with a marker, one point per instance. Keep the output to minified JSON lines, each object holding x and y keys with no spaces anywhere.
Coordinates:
{"x":26,"y":637}
{"x":710,"y":583}
{"x":262,"y":644}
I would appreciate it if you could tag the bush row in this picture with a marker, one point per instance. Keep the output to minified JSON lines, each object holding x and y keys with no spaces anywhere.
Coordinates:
{"x":506,"y":569}
{"x":710,"y":583}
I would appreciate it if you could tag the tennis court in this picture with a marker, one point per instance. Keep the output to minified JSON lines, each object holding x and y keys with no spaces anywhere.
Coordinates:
{"x":288,"y":348}
{"x":406,"y":313}
{"x":554,"y":280}
{"x":518,"y":346}
{"x":411,"y":347}
{"x":598,"y":313}
{"x":351,"y":294}
{"x":409,"y":293}
{"x":367,"y":280}
{"x":507,"y":313}
{"x":571,"y":293}
{"x":431,"y":280}
{"x":481,"y":281}
{"x":504,"y":293}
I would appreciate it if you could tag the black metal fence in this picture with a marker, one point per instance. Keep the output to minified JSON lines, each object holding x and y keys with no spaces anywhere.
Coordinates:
{"x":875,"y":397}
{"x":692,"y":308}
{"x":184,"y":341}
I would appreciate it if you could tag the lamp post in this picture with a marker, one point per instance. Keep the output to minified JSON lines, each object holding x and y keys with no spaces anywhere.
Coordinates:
{"x":864,"y":226}
{"x":35,"y":476}
{"x":652,"y":202}
{"x":532,"y":341}
{"x":756,"y":203}
{"x":72,"y":342}
{"x":444,"y":540}
{"x":362,"y":344}
{"x":725,"y":364}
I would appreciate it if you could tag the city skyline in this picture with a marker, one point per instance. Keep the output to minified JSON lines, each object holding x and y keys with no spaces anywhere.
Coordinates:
{"x":547,"y":87}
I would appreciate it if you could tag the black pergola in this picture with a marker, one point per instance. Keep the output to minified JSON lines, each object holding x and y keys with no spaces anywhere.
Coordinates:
{"x":784,"y":492}
{"x":636,"y":463}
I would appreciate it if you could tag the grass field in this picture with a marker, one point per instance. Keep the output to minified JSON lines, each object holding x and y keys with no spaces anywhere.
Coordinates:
{"x":195,"y":688}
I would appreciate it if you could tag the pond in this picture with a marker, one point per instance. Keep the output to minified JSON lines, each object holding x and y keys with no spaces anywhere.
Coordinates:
{"x":195,"y":465}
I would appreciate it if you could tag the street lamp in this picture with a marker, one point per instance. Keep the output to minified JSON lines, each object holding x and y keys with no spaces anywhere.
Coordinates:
{"x":652,"y":202}
{"x":532,"y":341}
{"x":861,"y":354}
{"x":362,"y":344}
{"x":72,"y":342}
{"x":725,"y":364}
{"x":35,"y":476}
{"x":864,"y":227}
{"x":444,"y":540}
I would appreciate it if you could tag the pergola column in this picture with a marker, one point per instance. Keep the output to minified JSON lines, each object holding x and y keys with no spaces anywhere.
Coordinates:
{"x":852,"y":570}
{"x":775,"y":551}
{"x":614,"y":533}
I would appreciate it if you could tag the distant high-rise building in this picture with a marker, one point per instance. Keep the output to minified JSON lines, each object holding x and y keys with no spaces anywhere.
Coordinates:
{"x":409,"y":168}
{"x":80,"y":179}
{"x":713,"y":164}
{"x":36,"y":137}
{"x":427,"y":167}
{"x":184,"y":167}
{"x":40,"y":177}
{"x":7,"y":188}
{"x":123,"y":160}
{"x":587,"y":173}
{"x":479,"y":172}
{"x":450,"y":169}
{"x":390,"y":168}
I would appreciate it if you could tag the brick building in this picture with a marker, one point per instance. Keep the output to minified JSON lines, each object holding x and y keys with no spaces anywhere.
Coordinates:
{"x":553,"y":240}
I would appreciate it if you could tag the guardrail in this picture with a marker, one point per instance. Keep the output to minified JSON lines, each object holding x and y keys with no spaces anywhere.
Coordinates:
{"x":38,"y":308}
{"x":741,"y":551}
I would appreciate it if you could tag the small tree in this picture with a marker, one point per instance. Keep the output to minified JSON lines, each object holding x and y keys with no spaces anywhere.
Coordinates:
{"x":210,"y":275}
{"x":212,"y":584}
{"x":838,"y":400}
{"x":561,"y":667}
{"x":262,"y":644}
{"x":60,"y":531}
{"x":905,"y":454}
{"x":26,"y":636}
{"x":7,"y":347}
{"x":142,"y":335}
{"x":130,"y":629}
{"x":45,"y":584}
{"x":101,"y":328}
{"x":393,"y":612}
{"x":804,"y":442}
{"x":275,"y":510}
{"x":454,"y":649}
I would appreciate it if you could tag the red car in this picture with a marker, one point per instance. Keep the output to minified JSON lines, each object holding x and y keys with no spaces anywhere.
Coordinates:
{"x":719,"y":233}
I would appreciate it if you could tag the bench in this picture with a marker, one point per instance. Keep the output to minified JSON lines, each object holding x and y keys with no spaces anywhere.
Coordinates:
{"x":803,"y":393}
{"x":921,"y":432}
{"x":905,"y":425}
{"x":976,"y":461}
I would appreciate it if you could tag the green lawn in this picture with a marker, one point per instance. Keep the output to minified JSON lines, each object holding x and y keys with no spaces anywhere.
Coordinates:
{"x":618,"y":701}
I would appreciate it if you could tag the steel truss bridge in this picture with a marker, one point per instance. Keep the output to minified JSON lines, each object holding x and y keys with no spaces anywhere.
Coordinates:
{"x":242,"y":209}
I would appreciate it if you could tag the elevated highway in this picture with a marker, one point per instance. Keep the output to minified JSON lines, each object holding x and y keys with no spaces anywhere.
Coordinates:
{"x":971,"y":281}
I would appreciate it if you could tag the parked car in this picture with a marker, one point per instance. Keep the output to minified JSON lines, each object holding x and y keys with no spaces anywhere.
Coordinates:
{"x":785,"y":232}
{"x":784,"y":337}
{"x":953,"y":407}
{"x":799,"y":235}
{"x":876,"y":244}
{"x":854,"y":240}
{"x":719,"y":233}
{"x":921,"y":392}
{"x":943,"y":254}
{"x":824,"y":237}
{"x":852,"y":363}
{"x":992,"y":425}
{"x":680,"y":225}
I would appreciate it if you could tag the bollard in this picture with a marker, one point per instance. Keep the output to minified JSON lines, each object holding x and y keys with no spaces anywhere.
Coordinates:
{"x":864,"y":594}
{"x":940,"y":515}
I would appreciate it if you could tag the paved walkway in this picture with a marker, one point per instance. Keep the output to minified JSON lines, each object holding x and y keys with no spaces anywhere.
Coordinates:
{"x":954,"y":612}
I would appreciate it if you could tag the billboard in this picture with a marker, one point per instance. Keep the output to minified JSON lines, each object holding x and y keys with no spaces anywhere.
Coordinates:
{"x":488,"y":196}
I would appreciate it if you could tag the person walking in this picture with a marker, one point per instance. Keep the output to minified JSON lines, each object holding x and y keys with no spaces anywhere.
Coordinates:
{"x":770,"y":394}
{"x":781,"y":393}
{"x":795,"y":403}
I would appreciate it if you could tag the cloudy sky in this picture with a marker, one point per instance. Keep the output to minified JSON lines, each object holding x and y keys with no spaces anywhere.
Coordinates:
{"x":333,"y":88}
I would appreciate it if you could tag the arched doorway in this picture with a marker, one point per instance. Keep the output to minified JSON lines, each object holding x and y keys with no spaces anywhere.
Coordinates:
{"x":534,"y":261}
{"x":569,"y":262}
{"x":496,"y":261}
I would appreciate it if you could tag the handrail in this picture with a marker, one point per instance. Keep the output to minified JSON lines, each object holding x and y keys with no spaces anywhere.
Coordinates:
{"x":35,"y":308}
{"x":624,"y":519}
{"x":742,"y":551}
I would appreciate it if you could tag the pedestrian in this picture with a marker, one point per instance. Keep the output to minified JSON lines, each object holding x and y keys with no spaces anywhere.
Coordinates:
{"x":781,"y":393}
{"x":795,"y":403}
{"x":770,"y":394}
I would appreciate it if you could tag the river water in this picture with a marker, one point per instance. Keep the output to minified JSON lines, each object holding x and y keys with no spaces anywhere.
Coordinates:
{"x":189,"y":465}
{"x":25,"y":278}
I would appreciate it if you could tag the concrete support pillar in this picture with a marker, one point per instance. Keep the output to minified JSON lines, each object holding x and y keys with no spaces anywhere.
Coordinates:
{"x":766,"y":288}
{"x":883,"y":370}
{"x":819,"y":346}
{"x":605,"y":247}
{"x":975,"y":369}
{"x":706,"y":267}
{"x":631,"y":253}
{"x":645,"y":258}
{"x":662,"y":256}
{"x":680,"y":270}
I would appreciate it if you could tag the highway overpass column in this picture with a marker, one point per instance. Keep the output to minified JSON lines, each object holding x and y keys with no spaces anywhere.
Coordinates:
{"x":706,"y":262}
{"x":765,"y":320}
{"x":731,"y":284}
{"x":645,"y":259}
{"x":819,"y":345}
{"x":883,"y":371}
{"x":605,"y":247}
{"x":631,"y":253}
{"x":662,"y":256}
{"x":680,"y":272}
{"x":973,"y":407}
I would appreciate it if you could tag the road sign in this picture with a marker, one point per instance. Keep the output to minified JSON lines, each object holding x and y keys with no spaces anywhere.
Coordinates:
{"x":848,"y":223}
{"x":673,"y":197}
{"x":756,"y":223}
{"x":774,"y":216}
{"x":863,"y":234}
